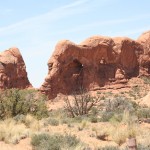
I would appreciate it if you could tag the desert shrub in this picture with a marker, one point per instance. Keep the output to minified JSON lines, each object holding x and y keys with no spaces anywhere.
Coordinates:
{"x":106,"y":116}
{"x":94,"y":111}
{"x":136,"y":92}
{"x":113,"y":108}
{"x":118,"y":104}
{"x":143,"y":113}
{"x":79,"y":119}
{"x":101,"y":134}
{"x":53,"y":142}
{"x":120,"y":133}
{"x":14,"y":102}
{"x":93,"y":119}
{"x":19,"y":118}
{"x":146,"y":79}
{"x":108,"y":148}
{"x":58,"y":113}
{"x":65,"y":121}
{"x":83,"y":125}
{"x":116,"y":118}
{"x":32,"y":123}
{"x":143,"y":146}
{"x":52,"y":121}
{"x":81,"y":104}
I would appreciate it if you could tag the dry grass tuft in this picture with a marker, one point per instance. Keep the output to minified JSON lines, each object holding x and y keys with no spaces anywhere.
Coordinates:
{"x":12,"y":132}
{"x":32,"y":123}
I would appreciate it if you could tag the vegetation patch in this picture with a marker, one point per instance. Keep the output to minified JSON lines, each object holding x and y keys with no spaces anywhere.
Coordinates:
{"x":15,"y":102}
{"x":46,"y":141}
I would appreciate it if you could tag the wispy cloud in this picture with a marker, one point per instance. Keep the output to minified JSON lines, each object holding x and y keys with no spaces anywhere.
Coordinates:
{"x":74,"y":4}
{"x":84,"y":27}
{"x":63,"y":11}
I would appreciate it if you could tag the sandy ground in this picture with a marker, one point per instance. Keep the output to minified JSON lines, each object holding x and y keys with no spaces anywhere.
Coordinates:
{"x":23,"y":145}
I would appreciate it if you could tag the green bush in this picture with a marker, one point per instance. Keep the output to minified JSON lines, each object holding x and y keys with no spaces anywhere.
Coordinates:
{"x":53,"y":142}
{"x":14,"y":102}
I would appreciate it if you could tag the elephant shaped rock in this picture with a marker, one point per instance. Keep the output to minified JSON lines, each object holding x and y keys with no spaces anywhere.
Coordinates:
{"x":91,"y":64}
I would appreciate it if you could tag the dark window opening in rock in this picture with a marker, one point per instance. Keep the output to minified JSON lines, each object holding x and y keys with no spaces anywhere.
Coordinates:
{"x":78,"y":76}
{"x":74,"y":75}
{"x":102,"y":73}
{"x":77,"y":64}
{"x":107,"y":71}
{"x":129,"y":73}
{"x":75,"y":67}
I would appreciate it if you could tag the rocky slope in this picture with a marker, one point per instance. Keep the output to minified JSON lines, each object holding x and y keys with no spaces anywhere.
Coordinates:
{"x":13,"y":70}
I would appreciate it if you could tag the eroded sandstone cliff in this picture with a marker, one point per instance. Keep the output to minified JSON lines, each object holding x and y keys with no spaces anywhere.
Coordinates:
{"x":13,"y":70}
{"x":94,"y":63}
{"x":144,"y":61}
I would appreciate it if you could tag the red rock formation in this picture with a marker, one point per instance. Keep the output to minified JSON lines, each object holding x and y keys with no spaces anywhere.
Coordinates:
{"x":13,"y":70}
{"x":129,"y":52}
{"x":144,"y":60}
{"x":144,"y":40}
{"x":91,"y":64}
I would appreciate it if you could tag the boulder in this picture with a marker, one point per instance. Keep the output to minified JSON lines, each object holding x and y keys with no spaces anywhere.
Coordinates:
{"x":13,"y":70}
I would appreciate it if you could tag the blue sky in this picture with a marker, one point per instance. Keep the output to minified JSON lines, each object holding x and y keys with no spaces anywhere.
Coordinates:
{"x":35,"y":26}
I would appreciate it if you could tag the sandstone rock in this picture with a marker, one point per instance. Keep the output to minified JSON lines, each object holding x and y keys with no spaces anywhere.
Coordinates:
{"x":144,"y":60}
{"x":144,"y":40}
{"x":90,"y":64}
{"x":129,"y":52}
{"x":13,"y":70}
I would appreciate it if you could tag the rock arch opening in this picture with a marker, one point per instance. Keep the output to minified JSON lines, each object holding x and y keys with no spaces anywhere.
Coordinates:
{"x":75,"y":75}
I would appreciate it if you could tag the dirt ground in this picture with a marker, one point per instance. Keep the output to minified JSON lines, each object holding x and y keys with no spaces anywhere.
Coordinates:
{"x":87,"y":134}
{"x":23,"y":145}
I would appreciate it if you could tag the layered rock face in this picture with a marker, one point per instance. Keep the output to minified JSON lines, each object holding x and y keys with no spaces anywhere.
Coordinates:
{"x":13,"y":70}
{"x":144,"y":40}
{"x":129,"y":52}
{"x":93,"y":63}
